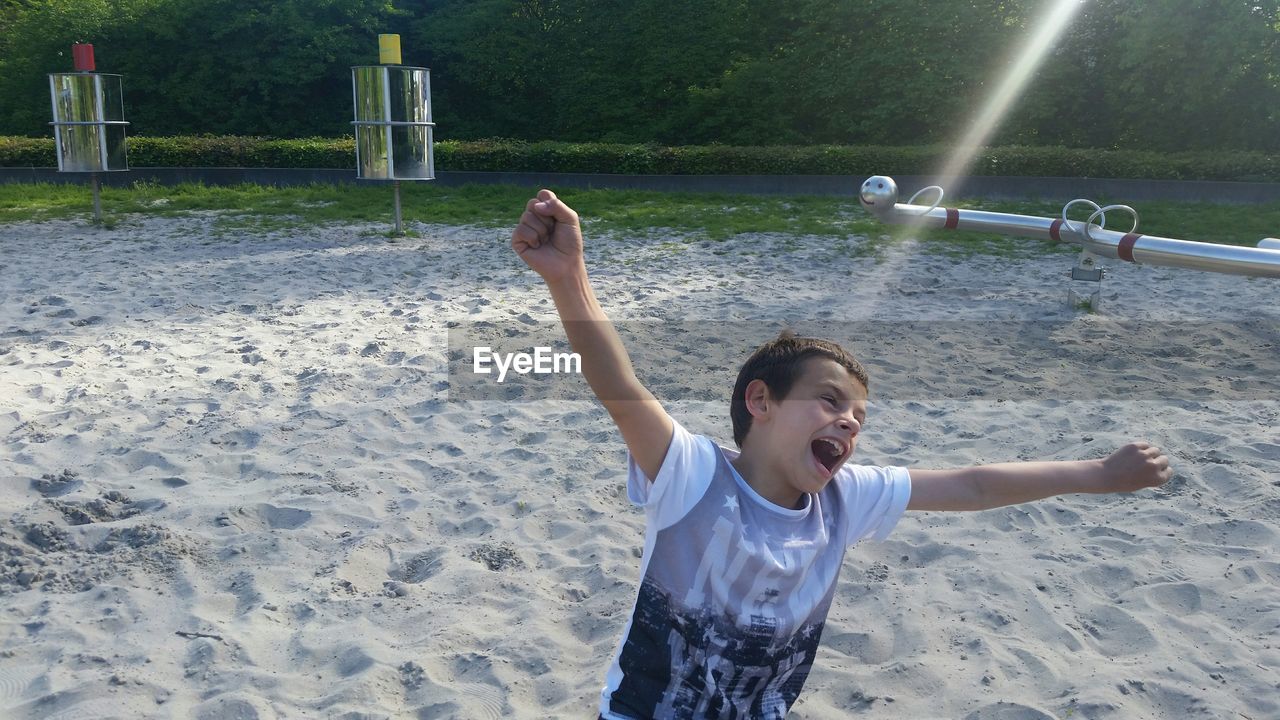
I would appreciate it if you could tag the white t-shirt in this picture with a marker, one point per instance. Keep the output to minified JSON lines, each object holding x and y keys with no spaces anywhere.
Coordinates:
{"x":735,"y":590}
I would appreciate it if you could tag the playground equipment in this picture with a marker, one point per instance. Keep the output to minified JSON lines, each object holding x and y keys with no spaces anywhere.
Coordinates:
{"x":393,"y":120}
{"x":879,"y":195}
{"x":88,"y":121}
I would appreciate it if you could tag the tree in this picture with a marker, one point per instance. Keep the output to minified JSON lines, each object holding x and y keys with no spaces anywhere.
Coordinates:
{"x":1198,"y":75}
{"x":249,"y":67}
{"x":38,"y":42}
{"x":1148,"y":74}
{"x":253,"y":67}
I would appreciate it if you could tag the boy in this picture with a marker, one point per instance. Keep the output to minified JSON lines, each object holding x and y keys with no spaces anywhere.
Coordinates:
{"x":742,"y":549}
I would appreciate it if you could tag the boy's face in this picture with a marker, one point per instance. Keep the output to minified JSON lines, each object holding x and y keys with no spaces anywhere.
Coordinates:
{"x":814,"y":430}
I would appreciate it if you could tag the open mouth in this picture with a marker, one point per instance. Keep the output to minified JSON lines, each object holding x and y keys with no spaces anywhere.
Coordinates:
{"x":828,"y":452}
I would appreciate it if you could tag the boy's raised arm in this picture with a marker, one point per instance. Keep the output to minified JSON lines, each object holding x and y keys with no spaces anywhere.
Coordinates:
{"x":1133,"y":467}
{"x":549,"y":240}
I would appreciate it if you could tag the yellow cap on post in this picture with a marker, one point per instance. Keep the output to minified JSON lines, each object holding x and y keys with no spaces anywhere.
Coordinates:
{"x":389,"y":49}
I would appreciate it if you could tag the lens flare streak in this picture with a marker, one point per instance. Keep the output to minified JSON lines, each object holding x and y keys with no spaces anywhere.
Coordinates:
{"x":1047,"y":32}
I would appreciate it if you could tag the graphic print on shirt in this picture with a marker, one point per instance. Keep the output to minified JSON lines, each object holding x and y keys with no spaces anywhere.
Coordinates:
{"x":712,"y":634}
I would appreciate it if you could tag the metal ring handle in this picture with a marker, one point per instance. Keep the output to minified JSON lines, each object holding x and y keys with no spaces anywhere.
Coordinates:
{"x":1067,"y":207}
{"x":941,"y":193}
{"x":1102,"y":211}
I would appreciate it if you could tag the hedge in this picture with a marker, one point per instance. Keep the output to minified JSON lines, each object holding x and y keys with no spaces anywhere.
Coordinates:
{"x":518,"y":156}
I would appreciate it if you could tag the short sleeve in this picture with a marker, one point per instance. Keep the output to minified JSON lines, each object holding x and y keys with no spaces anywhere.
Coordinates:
{"x":875,"y":499}
{"x":684,"y":476}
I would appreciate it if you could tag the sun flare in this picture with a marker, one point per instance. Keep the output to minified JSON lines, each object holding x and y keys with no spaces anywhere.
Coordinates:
{"x":1048,"y":29}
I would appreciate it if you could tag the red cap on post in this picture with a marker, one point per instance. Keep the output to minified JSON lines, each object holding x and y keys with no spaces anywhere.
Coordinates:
{"x":82,"y":56}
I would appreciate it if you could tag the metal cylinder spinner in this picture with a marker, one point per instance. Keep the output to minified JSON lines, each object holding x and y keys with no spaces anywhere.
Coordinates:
{"x":393,"y":118}
{"x":88,"y":117}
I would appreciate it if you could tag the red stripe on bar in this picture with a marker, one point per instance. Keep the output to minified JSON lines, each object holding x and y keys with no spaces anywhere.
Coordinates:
{"x":1053,"y":230}
{"x":1124,"y":250}
{"x":953,"y":219}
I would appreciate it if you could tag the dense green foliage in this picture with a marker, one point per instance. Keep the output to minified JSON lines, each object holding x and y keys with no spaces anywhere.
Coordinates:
{"x":250,"y":67}
{"x":1164,"y":75}
{"x":517,"y":156}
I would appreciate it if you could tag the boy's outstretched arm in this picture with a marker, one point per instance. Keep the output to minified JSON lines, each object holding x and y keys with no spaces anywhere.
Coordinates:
{"x":549,"y":240}
{"x":1133,"y":467}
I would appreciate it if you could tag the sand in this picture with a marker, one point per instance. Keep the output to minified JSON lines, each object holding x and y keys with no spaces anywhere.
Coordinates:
{"x":234,"y":482}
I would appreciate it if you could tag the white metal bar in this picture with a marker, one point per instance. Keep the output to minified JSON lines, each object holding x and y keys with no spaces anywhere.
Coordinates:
{"x":355,"y":122}
{"x":101,"y":115}
{"x":386,"y":116}
{"x":57,"y":129}
{"x":879,"y":196}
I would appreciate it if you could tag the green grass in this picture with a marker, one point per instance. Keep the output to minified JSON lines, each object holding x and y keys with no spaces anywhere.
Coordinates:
{"x":691,"y":216}
{"x":715,"y":216}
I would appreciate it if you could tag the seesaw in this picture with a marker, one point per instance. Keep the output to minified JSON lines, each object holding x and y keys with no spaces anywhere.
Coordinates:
{"x":879,"y":195}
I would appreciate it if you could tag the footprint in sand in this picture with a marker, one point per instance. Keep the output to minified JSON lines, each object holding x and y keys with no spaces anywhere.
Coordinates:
{"x":111,"y":506}
{"x":412,"y":675}
{"x":79,"y":711}
{"x":420,"y":567}
{"x":135,"y":460}
{"x":15,"y":682}
{"x":477,"y":691}
{"x":497,"y":557}
{"x":232,"y":708}
{"x":1009,"y":711}
{"x":1177,"y":599}
{"x":239,"y":439}
{"x":354,"y":661}
{"x":1108,"y":578}
{"x":57,"y":485}
{"x":32,"y":432}
{"x":255,"y":518}
{"x":1116,"y":633}
{"x":1236,"y":533}
{"x":871,"y":648}
{"x":364,"y":568}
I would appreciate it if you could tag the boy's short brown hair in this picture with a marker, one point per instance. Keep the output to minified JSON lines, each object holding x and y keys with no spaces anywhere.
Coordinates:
{"x":778,"y":364}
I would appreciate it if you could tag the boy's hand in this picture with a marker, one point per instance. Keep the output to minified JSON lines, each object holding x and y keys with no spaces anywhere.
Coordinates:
{"x":549,"y":238}
{"x":1135,"y":466}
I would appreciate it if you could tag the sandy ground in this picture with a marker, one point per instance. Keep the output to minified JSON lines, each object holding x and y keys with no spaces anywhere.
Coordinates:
{"x":234,"y":482}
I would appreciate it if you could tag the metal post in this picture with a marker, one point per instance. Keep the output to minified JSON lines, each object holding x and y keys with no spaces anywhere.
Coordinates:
{"x":1086,"y":270}
{"x":97,"y":198}
{"x":399,"y":223}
